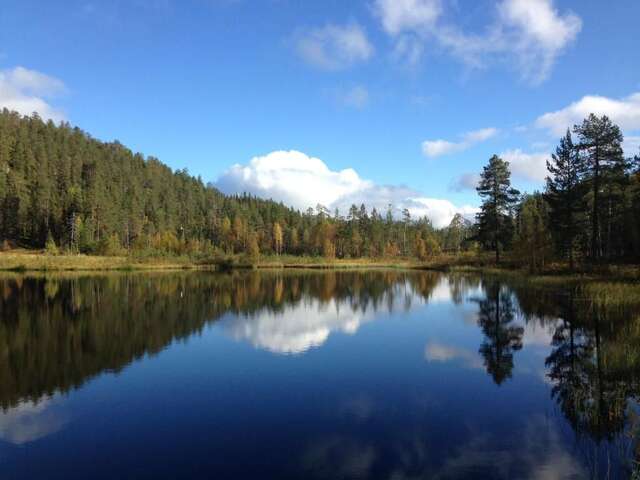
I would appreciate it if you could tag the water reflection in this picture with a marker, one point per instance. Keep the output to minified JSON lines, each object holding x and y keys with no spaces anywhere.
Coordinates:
{"x":296,"y":328}
{"x":29,"y":421}
{"x":57,"y":333}
{"x":502,"y":338}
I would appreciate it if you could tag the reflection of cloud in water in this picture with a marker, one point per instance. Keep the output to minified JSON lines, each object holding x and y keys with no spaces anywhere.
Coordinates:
{"x":535,"y":451}
{"x":538,"y":452}
{"x":440,"y":352}
{"x":296,"y":328}
{"x":538,"y":335}
{"x":30,"y":421}
{"x":359,"y":407}
{"x":339,"y":457}
{"x":442,"y":292}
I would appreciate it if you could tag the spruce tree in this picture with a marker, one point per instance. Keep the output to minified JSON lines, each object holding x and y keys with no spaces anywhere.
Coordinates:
{"x":565,"y":195}
{"x":495,"y":220}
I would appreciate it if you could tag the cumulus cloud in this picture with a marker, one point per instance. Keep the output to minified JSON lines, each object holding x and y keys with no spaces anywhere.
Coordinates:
{"x":302,"y":182}
{"x":524,"y":166}
{"x":438,"y":210}
{"x":334,"y":47}
{"x":437,"y":148}
{"x":293,"y":178}
{"x":529,"y":33}
{"x":625,"y":112}
{"x":527,"y":166}
{"x":26,"y":91}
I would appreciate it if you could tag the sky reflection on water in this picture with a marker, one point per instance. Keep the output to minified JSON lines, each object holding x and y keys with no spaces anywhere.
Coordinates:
{"x":384,"y":374}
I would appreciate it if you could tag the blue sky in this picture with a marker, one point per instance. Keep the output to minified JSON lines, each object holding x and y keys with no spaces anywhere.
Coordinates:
{"x":361,"y":85}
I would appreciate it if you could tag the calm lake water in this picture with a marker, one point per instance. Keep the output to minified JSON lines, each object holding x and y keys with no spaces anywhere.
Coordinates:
{"x":377,"y":374}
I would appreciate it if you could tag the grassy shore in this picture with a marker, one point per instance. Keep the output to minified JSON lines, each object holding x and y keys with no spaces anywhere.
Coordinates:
{"x":30,"y":260}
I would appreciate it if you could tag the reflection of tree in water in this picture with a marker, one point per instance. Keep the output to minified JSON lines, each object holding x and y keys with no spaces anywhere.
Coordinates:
{"x":57,"y":332}
{"x":502,"y":338}
{"x":461,"y":285}
{"x":594,"y":373}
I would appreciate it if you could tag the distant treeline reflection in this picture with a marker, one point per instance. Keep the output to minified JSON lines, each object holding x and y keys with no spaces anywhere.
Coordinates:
{"x":58,"y":332}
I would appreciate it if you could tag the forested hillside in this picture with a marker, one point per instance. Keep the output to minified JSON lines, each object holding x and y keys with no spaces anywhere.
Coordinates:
{"x":62,"y":189}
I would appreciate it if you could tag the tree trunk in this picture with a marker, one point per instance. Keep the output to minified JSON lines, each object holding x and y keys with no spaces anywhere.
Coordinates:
{"x":595,"y":223}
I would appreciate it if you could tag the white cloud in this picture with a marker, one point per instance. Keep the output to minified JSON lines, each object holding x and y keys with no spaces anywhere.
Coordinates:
{"x":625,"y":112}
{"x":527,"y":166}
{"x":437,"y":148}
{"x":529,"y":33}
{"x":631,"y":145}
{"x":539,"y":33}
{"x":302,"y":182}
{"x":400,"y":16}
{"x":334,"y":47}
{"x":24,"y":91}
{"x":439,"y":211}
{"x":293,"y":178}
{"x":524,"y":166}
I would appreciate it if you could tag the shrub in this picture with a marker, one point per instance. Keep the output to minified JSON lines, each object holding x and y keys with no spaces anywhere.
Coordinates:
{"x":50,"y":246}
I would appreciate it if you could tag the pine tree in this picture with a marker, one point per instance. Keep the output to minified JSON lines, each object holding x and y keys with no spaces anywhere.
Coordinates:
{"x":495,"y":219}
{"x":565,"y":195}
{"x":600,"y":144}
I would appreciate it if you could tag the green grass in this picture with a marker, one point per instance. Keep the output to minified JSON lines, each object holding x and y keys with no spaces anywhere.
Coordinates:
{"x":25,"y":260}
{"x":555,"y":274}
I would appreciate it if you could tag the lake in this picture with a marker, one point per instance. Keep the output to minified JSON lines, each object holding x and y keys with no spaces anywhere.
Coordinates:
{"x":383,"y":374}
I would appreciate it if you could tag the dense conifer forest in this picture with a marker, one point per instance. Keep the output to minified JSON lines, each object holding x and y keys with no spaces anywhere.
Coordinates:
{"x":62,"y":190}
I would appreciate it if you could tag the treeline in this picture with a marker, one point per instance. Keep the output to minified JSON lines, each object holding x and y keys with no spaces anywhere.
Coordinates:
{"x":63,"y":190}
{"x":60,"y":189}
{"x":589,"y":211}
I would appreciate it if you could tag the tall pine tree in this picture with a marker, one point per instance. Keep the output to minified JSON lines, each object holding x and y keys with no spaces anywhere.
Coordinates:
{"x":600,"y":144}
{"x":565,"y":195}
{"x":495,"y":220}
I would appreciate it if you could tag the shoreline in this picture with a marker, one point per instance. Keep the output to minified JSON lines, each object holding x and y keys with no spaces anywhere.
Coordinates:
{"x":26,"y":261}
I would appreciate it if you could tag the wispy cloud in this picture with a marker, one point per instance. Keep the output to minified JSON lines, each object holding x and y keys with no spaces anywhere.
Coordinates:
{"x":334,"y":47}
{"x":528,"y":33}
{"x":437,"y":148}
{"x":354,"y":97}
